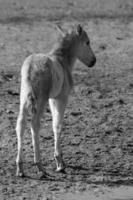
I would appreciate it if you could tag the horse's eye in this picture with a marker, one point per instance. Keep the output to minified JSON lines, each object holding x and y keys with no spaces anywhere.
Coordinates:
{"x":88,"y":43}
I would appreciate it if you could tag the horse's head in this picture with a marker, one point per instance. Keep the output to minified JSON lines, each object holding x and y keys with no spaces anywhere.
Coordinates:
{"x":84,"y":51}
{"x":75,"y":43}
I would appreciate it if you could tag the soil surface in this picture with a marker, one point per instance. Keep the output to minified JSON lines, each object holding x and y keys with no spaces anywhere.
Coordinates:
{"x":97,"y":136}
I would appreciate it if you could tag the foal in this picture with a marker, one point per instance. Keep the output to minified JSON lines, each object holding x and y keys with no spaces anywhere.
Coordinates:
{"x":49,"y":78}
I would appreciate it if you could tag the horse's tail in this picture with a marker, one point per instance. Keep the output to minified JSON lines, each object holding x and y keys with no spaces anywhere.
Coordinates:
{"x":27,"y":88}
{"x":32,"y":102}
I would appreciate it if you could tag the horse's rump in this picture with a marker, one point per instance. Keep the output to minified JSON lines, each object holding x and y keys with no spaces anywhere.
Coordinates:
{"x":36,"y":80}
{"x":43,"y":77}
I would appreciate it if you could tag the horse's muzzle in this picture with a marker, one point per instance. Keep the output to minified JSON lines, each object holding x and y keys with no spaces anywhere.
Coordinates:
{"x":93,"y":61}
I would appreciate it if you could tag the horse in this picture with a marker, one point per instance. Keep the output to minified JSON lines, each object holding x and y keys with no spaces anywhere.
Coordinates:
{"x":48,"y":78}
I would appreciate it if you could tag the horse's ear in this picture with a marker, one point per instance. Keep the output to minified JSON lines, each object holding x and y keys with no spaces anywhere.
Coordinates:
{"x":79,"y":29}
{"x":61,"y":30}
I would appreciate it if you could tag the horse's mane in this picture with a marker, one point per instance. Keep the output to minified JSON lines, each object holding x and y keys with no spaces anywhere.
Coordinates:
{"x":65,"y":44}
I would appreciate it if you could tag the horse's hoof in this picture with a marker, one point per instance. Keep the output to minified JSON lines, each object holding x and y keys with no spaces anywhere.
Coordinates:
{"x":40,"y":167}
{"x":19,"y":169}
{"x":43,"y":176}
{"x":20,"y":174}
{"x":61,"y":170}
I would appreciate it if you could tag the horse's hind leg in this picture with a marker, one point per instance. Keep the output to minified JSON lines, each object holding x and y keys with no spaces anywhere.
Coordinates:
{"x":35,"y":126}
{"x":57,"y":107}
{"x":20,"y":128}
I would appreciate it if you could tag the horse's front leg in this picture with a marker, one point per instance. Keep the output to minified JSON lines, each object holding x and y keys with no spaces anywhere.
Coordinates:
{"x":57,"y":107}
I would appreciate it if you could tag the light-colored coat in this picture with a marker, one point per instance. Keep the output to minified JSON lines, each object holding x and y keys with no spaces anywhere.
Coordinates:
{"x":49,"y":78}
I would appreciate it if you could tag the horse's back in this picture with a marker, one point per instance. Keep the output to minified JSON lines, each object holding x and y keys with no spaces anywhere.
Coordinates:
{"x":35,"y":65}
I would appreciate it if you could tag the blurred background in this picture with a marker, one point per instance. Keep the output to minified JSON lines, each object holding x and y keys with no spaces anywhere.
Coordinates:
{"x":63,"y":9}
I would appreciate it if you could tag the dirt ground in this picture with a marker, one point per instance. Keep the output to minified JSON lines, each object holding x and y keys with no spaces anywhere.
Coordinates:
{"x":97,"y":136}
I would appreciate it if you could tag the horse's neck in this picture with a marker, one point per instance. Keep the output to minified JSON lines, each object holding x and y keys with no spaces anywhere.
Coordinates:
{"x":66,"y":63}
{"x":65,"y":56}
{"x":67,"y":66}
